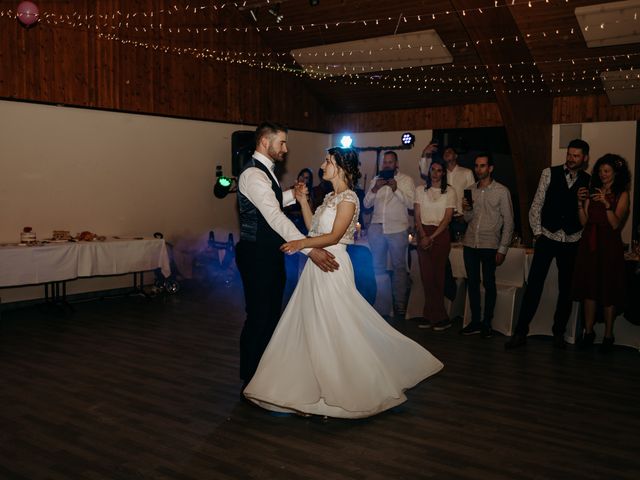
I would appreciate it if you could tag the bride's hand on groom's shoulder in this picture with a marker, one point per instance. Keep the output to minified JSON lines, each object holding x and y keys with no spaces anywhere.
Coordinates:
{"x":293,"y":246}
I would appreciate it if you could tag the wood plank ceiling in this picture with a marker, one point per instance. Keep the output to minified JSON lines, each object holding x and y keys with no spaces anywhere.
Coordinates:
{"x":539,"y":49}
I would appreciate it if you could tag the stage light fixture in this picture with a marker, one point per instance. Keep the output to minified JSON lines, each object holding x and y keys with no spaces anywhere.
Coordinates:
{"x":313,"y":3}
{"x":346,"y":141}
{"x":222,"y":186}
{"x":408,"y":138}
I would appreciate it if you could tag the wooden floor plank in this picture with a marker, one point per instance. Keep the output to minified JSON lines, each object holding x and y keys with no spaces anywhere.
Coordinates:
{"x":132,"y":388}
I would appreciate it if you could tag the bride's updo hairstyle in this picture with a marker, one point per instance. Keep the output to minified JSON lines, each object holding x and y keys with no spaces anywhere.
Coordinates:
{"x":347,"y":160}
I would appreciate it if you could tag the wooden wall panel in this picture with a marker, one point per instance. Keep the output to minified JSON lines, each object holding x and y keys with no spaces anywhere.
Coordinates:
{"x":527,"y":117}
{"x":575,"y":109}
{"x":456,"y":116}
{"x":592,"y":108}
{"x":73,"y":65}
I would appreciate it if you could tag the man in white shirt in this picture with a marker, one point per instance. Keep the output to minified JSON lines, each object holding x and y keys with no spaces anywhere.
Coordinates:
{"x":459,"y":178}
{"x":263,"y":229}
{"x":391,"y":195}
{"x":489,"y":214}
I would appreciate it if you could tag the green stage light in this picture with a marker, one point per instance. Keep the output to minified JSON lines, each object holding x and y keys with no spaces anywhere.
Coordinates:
{"x":222,"y":186}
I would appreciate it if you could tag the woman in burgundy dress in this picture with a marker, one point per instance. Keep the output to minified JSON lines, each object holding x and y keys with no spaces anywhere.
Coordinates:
{"x":599,"y":273}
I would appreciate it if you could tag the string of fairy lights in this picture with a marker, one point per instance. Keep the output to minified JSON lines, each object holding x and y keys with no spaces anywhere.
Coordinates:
{"x":399,"y":47}
{"x":329,"y":55}
{"x":420,"y":78}
{"x":136,"y":20}
{"x":321,"y":71}
{"x":125,"y":22}
{"x":426,"y":82}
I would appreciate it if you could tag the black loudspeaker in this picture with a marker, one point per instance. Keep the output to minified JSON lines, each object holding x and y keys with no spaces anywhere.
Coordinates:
{"x":243,"y":143}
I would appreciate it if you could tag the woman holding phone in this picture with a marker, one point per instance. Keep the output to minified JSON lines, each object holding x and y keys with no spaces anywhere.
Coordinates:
{"x":433,"y":210}
{"x":599,"y":272}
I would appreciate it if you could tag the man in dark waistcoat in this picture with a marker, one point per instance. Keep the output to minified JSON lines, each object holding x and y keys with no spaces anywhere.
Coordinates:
{"x":556,"y":227}
{"x":263,"y":229}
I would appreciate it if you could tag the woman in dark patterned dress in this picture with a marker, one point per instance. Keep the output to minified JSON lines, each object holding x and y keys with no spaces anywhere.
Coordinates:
{"x":599,"y":273}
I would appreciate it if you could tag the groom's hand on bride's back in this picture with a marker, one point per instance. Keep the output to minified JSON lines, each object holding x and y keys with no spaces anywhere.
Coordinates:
{"x":324,"y":260}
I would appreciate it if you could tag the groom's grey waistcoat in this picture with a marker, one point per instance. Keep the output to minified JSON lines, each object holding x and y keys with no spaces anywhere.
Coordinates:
{"x":253,"y":226}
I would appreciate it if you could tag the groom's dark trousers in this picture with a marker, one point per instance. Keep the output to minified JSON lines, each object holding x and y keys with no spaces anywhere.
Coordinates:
{"x":263,"y":276}
{"x":261,"y":266}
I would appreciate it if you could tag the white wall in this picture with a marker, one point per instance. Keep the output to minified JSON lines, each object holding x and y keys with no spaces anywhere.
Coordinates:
{"x":117,"y":174}
{"x":306,"y":150}
{"x":605,"y":137}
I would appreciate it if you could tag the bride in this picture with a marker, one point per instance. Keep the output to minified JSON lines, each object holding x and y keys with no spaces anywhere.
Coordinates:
{"x":331,"y":353}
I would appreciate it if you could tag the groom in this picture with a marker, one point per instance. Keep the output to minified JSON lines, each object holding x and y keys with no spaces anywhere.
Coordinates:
{"x":263,"y":229}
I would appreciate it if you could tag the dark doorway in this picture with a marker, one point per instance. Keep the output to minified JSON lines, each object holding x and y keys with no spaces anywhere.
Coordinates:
{"x":470,"y":141}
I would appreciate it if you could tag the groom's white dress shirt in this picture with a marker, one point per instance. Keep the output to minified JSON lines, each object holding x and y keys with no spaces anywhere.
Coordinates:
{"x":256,"y":186}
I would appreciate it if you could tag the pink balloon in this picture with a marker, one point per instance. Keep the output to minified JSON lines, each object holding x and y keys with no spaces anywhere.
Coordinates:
{"x":28,"y":13}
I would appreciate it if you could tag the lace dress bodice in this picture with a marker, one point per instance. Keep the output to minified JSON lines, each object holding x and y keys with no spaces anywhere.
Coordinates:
{"x":322,"y":222}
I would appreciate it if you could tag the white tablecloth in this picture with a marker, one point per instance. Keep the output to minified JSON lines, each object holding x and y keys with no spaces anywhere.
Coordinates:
{"x":512,"y":272}
{"x":65,"y":261}
{"x":510,"y":280}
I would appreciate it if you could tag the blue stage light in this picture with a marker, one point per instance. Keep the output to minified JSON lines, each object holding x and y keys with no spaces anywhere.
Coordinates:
{"x":346,"y":141}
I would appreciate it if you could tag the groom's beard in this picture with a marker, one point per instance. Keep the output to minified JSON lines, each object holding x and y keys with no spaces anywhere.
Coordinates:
{"x":276,"y":156}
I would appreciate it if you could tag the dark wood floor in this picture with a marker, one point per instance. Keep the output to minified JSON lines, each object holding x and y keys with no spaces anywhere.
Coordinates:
{"x":130,"y":389}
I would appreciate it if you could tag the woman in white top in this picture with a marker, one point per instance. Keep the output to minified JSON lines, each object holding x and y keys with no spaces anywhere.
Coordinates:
{"x":434,"y":206}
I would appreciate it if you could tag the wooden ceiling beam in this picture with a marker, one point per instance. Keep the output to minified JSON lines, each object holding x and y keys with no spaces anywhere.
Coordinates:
{"x":527,"y":116}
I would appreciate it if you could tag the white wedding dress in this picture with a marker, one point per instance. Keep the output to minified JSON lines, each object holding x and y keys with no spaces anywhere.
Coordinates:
{"x":331,"y":353}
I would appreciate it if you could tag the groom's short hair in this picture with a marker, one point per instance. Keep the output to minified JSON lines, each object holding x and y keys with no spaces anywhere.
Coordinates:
{"x":267,"y":129}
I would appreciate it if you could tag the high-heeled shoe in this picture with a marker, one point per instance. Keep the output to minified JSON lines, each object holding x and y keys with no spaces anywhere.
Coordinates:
{"x":587,"y":341}
{"x":607,"y":344}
